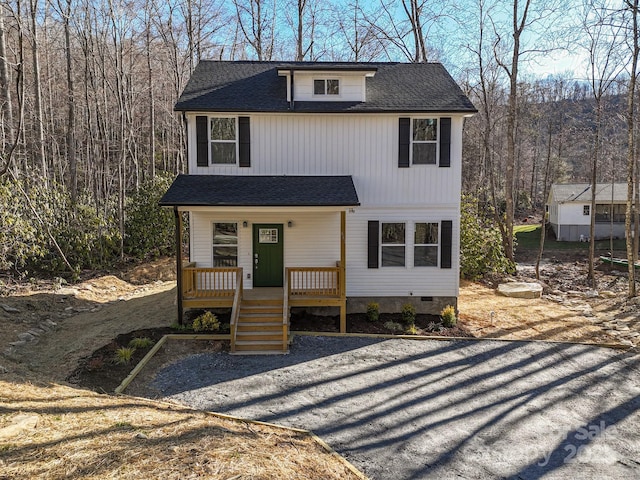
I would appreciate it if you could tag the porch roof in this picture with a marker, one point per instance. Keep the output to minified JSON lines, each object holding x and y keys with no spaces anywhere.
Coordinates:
{"x":261,"y":191}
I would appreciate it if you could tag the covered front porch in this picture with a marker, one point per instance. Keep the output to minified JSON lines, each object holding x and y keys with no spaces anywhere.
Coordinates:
{"x":260,"y":260}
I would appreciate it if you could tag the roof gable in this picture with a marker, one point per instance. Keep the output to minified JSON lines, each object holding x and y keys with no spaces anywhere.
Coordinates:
{"x":247,"y":86}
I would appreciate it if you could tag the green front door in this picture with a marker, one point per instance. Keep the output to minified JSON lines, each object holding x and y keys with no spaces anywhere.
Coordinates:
{"x":268,"y":263}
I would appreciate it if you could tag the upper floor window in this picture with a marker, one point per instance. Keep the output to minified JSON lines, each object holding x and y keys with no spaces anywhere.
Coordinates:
{"x":393,"y":244}
{"x":223,"y":140}
{"x":326,"y":86}
{"x":424,"y":141}
{"x":586,"y":210}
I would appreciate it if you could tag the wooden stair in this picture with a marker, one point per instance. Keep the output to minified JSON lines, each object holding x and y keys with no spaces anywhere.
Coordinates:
{"x":260,"y":330}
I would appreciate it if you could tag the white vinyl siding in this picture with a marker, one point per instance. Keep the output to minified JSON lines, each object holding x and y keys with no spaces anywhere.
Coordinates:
{"x":364,"y":146}
{"x":408,"y":281}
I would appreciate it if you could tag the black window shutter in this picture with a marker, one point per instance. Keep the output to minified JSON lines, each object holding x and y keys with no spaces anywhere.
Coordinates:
{"x":202,"y":140}
{"x":404,"y":142}
{"x":446,"y":242}
{"x":244,"y":142}
{"x":372,"y":246}
{"x":445,"y":142}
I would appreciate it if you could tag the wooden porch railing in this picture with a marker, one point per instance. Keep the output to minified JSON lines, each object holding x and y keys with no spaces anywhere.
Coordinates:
{"x":210,"y":282}
{"x":314,"y":282}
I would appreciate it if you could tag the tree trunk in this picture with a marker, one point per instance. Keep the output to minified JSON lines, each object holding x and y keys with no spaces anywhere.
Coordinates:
{"x":37,"y":93}
{"x":633,"y":5}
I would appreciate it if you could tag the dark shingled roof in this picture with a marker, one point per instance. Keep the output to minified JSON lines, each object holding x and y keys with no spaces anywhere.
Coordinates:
{"x":248,"y":86}
{"x":261,"y":191}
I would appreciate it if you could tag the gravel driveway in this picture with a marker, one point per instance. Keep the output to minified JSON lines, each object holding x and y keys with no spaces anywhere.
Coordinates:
{"x":403,"y":409}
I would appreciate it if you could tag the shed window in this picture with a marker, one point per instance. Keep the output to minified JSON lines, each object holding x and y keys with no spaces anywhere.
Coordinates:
{"x":326,"y":86}
{"x":425,"y":245}
{"x":225,"y":244}
{"x":424,"y":141}
{"x":393,"y":244}
{"x":223,"y":141}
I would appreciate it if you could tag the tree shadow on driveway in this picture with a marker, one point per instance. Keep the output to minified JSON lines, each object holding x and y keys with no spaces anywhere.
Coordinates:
{"x":435,"y":409}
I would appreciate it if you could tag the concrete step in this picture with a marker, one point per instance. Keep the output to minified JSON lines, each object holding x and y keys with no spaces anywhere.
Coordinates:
{"x":261,"y":352}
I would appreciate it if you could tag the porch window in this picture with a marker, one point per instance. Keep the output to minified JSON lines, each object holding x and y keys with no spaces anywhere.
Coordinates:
{"x":393,"y":244}
{"x":225,"y":244}
{"x":426,"y":245}
{"x":326,"y":86}
{"x":223,"y":141}
{"x":424,"y":141}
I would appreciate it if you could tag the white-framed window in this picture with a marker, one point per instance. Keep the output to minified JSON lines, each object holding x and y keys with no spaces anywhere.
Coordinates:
{"x":424,"y":141}
{"x":425,"y":244}
{"x":326,"y":86}
{"x":586,"y":210}
{"x":393,"y":244}
{"x":225,"y":244}
{"x":224,"y":139}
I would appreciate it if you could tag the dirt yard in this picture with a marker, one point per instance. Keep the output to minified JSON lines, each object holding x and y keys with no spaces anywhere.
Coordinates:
{"x":46,"y":329}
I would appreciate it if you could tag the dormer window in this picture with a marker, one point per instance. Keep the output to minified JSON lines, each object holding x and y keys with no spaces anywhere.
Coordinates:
{"x":326,"y":86}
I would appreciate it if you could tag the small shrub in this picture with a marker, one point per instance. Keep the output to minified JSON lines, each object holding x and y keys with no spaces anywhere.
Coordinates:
{"x":177,"y":326}
{"x":207,"y":322}
{"x":448,"y":315}
{"x":408,"y":314}
{"x":140,"y":342}
{"x":373,"y":312}
{"x":124,"y":355}
{"x":411,"y":330}
{"x":393,"y":326}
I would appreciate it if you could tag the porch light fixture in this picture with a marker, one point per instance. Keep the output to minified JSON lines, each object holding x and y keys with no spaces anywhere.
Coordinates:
{"x":245,"y":224}
{"x":290,"y":223}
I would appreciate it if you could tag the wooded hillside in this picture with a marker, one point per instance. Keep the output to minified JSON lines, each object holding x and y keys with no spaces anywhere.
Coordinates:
{"x":87,"y":89}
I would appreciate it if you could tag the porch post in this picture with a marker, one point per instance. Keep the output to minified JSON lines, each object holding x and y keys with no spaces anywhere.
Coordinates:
{"x":343,"y":272}
{"x":178,"y":221}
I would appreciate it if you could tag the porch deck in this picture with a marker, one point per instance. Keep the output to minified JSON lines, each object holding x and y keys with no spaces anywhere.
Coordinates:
{"x":260,"y":316}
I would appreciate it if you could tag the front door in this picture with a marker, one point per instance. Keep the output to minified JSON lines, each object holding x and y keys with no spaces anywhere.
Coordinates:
{"x":268,"y":263}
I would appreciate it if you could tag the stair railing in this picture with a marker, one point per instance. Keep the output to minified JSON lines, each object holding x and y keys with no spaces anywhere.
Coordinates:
{"x":285,"y":312}
{"x":235,"y":309}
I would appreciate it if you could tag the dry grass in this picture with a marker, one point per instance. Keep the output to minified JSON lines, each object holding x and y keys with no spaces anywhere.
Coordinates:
{"x":56,"y":432}
{"x":523,"y":319}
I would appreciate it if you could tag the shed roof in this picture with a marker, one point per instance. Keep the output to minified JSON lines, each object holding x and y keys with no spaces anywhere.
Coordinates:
{"x":251,"y":86}
{"x":581,"y":192}
{"x":261,"y":191}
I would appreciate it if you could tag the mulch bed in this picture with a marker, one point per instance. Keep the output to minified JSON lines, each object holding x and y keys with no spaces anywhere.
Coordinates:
{"x":359,"y":323}
{"x":101,"y":373}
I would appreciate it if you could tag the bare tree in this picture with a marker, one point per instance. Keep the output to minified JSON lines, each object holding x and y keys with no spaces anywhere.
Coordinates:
{"x":257,"y":21}
{"x":602,"y":42}
{"x":632,"y":7}
{"x":37,"y":91}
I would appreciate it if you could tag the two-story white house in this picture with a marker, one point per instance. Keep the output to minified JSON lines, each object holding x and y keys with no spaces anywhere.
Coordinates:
{"x":321,"y":184}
